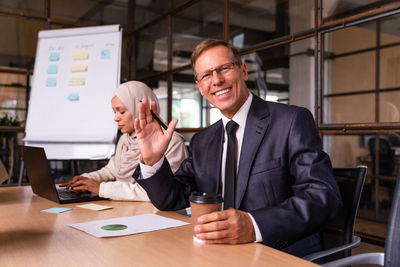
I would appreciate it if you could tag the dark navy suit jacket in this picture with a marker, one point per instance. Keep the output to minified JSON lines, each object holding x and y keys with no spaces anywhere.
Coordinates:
{"x":284,"y":180}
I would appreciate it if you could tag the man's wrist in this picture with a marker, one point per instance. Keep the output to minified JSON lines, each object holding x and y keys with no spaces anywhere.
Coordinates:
{"x":257,"y":233}
{"x":147,"y":171}
{"x":151,"y":162}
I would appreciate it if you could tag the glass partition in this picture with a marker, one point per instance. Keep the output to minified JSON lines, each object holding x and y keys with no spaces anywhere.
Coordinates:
{"x":160,"y":88}
{"x":359,"y":70}
{"x":349,"y":109}
{"x":186,"y":103}
{"x":334,"y":10}
{"x":151,"y":50}
{"x":353,"y":150}
{"x":390,"y":33}
{"x":32,"y":7}
{"x":146,"y":11}
{"x":90,"y":12}
{"x":389,"y":106}
{"x":13,"y":96}
{"x":389,"y":67}
{"x":190,"y":26}
{"x":19,"y":38}
{"x":186,"y":100}
{"x":253,"y":22}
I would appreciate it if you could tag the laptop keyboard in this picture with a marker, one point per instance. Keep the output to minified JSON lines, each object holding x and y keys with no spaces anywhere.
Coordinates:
{"x":70,"y":194}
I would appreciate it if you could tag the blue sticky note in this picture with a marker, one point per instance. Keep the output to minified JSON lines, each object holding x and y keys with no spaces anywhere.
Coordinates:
{"x":56,"y":210}
{"x":51,"y":82}
{"x":54,"y":56}
{"x":52,"y":69}
{"x":105,"y":54}
{"x":73,"y":97}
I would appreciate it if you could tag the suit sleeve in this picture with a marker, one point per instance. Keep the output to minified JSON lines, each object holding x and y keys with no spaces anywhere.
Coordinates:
{"x":166,"y":190}
{"x":315,"y":196}
{"x":176,"y":152}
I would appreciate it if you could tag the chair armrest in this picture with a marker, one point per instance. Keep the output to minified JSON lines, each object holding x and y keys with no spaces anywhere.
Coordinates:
{"x":313,"y":256}
{"x":365,"y":258}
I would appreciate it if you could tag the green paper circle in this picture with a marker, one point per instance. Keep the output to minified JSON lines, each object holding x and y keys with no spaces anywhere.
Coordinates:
{"x":114,"y":227}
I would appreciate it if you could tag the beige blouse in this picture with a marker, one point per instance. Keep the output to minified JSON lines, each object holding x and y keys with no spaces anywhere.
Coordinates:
{"x":121,"y":186}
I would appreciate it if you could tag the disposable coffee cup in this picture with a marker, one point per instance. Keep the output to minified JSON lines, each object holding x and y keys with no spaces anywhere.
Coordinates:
{"x":204,"y":203}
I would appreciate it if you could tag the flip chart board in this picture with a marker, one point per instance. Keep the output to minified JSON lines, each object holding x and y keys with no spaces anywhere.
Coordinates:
{"x":76,"y":72}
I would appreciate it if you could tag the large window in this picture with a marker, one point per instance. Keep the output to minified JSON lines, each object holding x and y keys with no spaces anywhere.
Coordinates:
{"x":360,"y":99}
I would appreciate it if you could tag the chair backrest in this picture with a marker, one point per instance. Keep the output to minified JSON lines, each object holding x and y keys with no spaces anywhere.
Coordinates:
{"x":392,"y":242}
{"x":340,"y":231}
{"x":386,"y":156}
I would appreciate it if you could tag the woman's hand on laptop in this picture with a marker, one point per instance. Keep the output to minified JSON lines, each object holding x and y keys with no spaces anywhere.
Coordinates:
{"x":69,"y":183}
{"x":82,"y":184}
{"x":86,"y":184}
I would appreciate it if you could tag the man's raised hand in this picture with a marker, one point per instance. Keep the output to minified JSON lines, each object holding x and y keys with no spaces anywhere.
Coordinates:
{"x":152,"y":140}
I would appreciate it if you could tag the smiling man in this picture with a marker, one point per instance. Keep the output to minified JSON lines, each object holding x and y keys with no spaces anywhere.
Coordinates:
{"x":265,"y":158}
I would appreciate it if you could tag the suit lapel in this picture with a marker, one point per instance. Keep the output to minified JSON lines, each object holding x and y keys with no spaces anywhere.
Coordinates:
{"x":256,"y":127}
{"x":214,"y":157}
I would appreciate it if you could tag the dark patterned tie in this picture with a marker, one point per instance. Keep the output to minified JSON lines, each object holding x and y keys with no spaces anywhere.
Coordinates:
{"x":230,"y":167}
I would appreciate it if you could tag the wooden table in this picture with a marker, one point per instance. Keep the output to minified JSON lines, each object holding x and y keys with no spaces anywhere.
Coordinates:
{"x":29,"y":237}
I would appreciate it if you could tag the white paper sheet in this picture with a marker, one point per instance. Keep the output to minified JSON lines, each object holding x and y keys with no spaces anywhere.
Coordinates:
{"x":127,"y":225}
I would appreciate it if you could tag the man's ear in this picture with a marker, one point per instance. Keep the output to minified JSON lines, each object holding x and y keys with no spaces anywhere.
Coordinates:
{"x":244,"y":71}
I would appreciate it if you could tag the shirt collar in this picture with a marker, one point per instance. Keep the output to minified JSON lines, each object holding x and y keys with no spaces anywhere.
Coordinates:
{"x":240,"y":116}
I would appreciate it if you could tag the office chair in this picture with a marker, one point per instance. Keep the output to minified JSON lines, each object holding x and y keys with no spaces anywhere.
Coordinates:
{"x":386,"y":166}
{"x":386,"y":156}
{"x":391,"y":256}
{"x":338,"y":235}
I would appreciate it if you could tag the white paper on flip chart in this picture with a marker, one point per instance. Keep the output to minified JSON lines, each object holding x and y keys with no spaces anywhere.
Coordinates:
{"x":135,"y":225}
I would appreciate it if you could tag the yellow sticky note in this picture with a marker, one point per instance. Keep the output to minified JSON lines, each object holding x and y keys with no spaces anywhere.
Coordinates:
{"x":80,"y":55}
{"x":92,"y":206}
{"x":79,"y":67}
{"x":77,"y":81}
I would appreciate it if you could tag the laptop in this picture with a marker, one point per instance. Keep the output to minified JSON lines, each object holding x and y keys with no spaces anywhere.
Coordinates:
{"x":38,"y":171}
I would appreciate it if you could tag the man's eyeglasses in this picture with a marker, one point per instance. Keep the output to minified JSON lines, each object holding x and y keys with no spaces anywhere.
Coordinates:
{"x":206,"y":76}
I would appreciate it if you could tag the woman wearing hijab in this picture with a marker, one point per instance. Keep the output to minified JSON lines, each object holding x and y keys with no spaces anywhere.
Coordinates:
{"x":115,"y":180}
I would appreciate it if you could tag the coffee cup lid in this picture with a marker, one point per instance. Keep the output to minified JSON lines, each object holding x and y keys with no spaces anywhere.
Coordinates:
{"x":205,"y":198}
